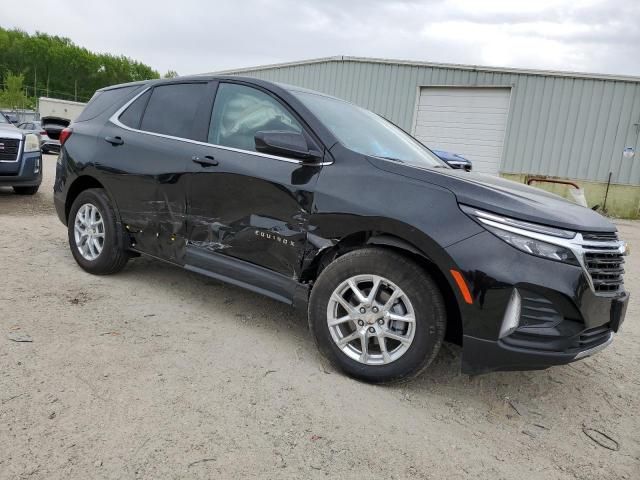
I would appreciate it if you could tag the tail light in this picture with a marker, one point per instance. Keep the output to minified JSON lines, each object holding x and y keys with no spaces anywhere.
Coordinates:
{"x":65,"y":134}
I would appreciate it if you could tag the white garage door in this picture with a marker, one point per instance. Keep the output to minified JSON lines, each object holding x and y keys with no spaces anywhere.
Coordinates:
{"x":467,"y":121}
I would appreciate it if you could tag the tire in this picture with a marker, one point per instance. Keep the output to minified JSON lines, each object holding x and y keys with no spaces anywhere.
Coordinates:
{"x":112,"y":256}
{"x":26,"y":190}
{"x":419,"y":298}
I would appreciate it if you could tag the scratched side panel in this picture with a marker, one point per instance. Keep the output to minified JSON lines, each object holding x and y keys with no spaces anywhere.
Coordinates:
{"x":146,"y":177}
{"x":252,"y":208}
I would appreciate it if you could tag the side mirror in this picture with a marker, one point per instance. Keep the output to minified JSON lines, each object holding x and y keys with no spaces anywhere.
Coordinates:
{"x":287,"y":144}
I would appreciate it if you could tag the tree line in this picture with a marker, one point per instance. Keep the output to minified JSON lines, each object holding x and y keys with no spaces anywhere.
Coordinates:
{"x":48,"y":65}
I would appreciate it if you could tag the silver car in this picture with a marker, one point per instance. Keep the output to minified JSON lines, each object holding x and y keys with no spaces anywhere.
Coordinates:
{"x":47,"y":145}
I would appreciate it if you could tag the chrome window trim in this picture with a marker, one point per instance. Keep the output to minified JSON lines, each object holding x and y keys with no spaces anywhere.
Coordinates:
{"x":20,"y":148}
{"x":577,"y":245}
{"x":115,"y":119}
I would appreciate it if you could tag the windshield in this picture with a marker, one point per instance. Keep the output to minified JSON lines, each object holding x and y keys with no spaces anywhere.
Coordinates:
{"x":365,"y":132}
{"x":3,"y":119}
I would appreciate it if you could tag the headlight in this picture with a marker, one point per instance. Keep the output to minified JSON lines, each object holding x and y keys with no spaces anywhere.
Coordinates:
{"x":31,"y":143}
{"x":536,"y":247}
{"x":532,"y":238}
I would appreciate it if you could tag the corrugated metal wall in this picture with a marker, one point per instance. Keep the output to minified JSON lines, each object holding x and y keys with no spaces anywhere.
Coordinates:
{"x":558,"y":125}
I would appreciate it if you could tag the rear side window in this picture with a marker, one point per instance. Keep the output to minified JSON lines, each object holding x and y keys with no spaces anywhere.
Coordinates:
{"x":102,"y":100}
{"x":132,"y":116}
{"x":172,"y":108}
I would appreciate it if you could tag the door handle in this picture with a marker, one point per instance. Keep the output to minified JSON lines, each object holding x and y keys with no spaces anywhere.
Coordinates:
{"x":207,"y":161}
{"x":114,"y":140}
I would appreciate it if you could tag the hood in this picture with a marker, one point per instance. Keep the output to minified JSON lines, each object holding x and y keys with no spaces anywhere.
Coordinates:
{"x":505,"y":197}
{"x":53,"y":126}
{"x":8,"y":130}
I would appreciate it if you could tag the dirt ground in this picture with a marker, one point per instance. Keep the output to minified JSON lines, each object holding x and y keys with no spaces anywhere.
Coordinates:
{"x":160,"y":373}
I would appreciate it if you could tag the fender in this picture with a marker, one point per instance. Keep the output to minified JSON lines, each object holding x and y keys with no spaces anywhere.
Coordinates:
{"x":391,"y":241}
{"x":83,"y":182}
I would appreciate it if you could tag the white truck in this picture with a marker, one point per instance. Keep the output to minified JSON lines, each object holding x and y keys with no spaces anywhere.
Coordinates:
{"x":55,"y":115}
{"x":54,"y":107}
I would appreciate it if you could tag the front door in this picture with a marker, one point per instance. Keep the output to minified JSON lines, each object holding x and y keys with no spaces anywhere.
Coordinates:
{"x":244,"y":204}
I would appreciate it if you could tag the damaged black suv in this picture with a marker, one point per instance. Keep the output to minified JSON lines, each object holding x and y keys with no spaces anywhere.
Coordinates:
{"x":318,"y":203}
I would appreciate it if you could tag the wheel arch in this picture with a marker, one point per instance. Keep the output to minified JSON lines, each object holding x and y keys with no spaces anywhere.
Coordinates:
{"x":79,"y":185}
{"x":389,"y":241}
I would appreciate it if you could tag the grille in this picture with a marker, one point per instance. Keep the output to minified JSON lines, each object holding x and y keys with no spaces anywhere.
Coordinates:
{"x":593,"y":336}
{"x":604,"y":261}
{"x":600,"y":237}
{"x":9,"y":149}
{"x":537,"y":311}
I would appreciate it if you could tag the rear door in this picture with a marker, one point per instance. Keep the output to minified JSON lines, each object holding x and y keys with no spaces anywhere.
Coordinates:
{"x":244,"y":204}
{"x":144,"y":152}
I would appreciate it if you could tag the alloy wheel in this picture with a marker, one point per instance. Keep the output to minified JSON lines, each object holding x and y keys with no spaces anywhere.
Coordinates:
{"x":89,"y":232}
{"x":371,"y":319}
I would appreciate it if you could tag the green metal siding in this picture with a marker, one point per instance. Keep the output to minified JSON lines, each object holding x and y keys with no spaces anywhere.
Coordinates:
{"x":559,"y":125}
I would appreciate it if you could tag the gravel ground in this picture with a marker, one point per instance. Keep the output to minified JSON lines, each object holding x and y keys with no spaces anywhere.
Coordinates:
{"x":160,"y":373}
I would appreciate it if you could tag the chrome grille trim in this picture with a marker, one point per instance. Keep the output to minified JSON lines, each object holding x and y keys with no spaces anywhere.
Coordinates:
{"x":601,"y":257}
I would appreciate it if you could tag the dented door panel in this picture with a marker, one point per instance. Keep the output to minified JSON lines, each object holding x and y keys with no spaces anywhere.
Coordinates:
{"x":252,"y":208}
{"x":146,"y":177}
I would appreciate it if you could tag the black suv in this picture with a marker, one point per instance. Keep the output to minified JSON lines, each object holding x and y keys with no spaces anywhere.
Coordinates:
{"x":319,"y":203}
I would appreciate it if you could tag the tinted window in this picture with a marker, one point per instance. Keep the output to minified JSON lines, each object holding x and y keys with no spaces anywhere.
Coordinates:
{"x":133,"y":114}
{"x":365,"y":132}
{"x":172,"y":108}
{"x":102,"y":100}
{"x":240,"y":112}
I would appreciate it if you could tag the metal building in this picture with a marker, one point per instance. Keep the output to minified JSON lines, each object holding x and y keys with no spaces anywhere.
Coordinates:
{"x":511,"y":122}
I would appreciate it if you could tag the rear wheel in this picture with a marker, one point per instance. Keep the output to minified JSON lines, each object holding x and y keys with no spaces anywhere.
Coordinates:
{"x":26,"y":190}
{"x":377,"y":315}
{"x":95,"y":237}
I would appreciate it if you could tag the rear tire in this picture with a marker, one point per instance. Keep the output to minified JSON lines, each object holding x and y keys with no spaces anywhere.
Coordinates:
{"x":95,"y":236}
{"x":26,"y":190}
{"x":385,"y":348}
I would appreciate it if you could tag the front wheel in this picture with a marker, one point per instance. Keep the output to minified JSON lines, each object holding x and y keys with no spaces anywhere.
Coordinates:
{"x":95,"y":236}
{"x":377,"y":316}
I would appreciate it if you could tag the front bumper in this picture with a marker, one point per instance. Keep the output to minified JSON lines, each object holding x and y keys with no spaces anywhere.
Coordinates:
{"x":561,"y":318}
{"x":26,"y":172}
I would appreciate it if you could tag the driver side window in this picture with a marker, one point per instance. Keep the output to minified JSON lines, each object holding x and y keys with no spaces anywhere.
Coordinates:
{"x":239,"y":112}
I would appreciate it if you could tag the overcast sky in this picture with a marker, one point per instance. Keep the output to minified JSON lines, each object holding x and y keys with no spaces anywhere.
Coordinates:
{"x":195,"y":36}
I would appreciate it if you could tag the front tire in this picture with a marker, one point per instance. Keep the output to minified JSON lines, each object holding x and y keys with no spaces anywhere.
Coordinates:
{"x":95,"y":237}
{"x":26,"y":190}
{"x":377,"y":316}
